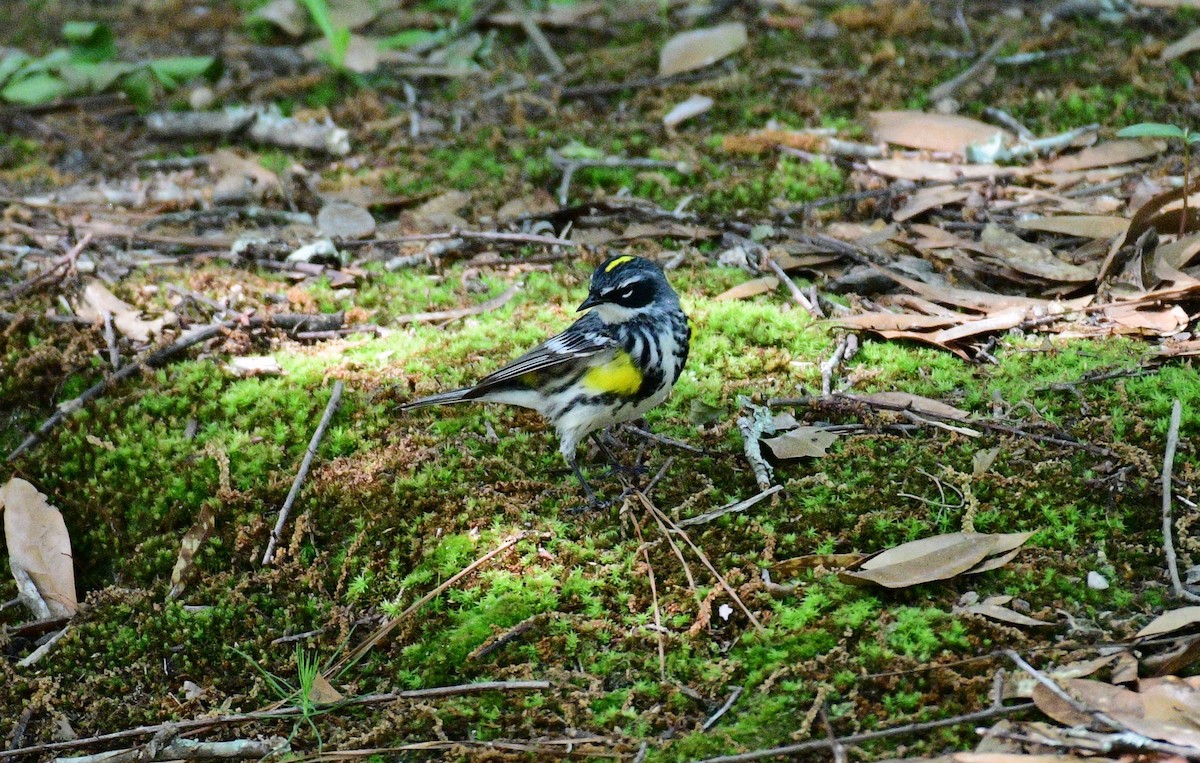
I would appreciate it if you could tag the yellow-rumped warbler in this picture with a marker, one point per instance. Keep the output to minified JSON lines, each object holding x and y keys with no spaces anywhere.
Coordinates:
{"x":610,"y":366}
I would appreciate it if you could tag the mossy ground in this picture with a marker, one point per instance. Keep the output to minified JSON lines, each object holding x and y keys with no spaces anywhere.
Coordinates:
{"x":396,"y":504}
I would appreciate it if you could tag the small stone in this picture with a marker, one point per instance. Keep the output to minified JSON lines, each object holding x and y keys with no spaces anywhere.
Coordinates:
{"x":340,"y":219}
{"x":1096,"y":581}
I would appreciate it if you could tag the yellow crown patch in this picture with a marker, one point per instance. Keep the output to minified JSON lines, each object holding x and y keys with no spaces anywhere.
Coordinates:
{"x":618,"y":263}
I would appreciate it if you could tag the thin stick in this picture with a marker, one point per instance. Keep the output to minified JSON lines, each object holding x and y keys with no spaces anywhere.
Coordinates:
{"x":110,"y":338}
{"x":62,"y":262}
{"x":436,"y":316}
{"x":839,"y":750}
{"x":382,"y":631}
{"x":644,"y":550}
{"x":1167,"y":522}
{"x":330,"y":408}
{"x":951,"y":86}
{"x":724,"y":708}
{"x":153,"y":360}
{"x":787,"y":281}
{"x":729,"y":508}
{"x":911,"y":728}
{"x":436,"y":692}
{"x":1062,"y":694}
{"x":536,"y":36}
{"x":519,"y":238}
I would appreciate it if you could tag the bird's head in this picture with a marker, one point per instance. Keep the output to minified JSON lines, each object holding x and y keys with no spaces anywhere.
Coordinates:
{"x":625,"y":287}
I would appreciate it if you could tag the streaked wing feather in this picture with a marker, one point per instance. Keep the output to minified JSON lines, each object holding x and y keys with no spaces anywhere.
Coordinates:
{"x":568,"y":346}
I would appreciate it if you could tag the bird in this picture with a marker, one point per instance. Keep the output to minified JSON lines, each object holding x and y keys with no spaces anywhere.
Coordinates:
{"x":613,"y":364}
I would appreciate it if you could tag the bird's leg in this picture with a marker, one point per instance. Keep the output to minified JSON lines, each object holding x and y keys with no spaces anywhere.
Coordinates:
{"x":593,"y":501}
{"x":617,"y":467}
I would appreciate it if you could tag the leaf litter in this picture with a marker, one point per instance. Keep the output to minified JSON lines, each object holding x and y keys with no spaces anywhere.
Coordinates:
{"x":1050,"y":241}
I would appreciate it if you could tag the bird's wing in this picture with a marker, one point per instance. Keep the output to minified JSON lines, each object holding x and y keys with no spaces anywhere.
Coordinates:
{"x":579,"y":341}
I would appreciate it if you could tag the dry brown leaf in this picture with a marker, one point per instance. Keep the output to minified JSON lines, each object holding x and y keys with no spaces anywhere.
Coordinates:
{"x":1095,"y":695}
{"x":1087,"y":226}
{"x":751,"y":288}
{"x":1002,"y":614}
{"x":698,"y":48}
{"x":1181,"y":47}
{"x":39,"y":551}
{"x":1180,"y":253}
{"x":322,"y":692}
{"x":761,"y":141}
{"x":1001,"y":320}
{"x":225,"y":163}
{"x":127,"y":319}
{"x":923,"y":561}
{"x":1171,"y":621}
{"x":192,"y":541}
{"x":801,"y":442}
{"x":1131,"y":320}
{"x":1171,"y":700}
{"x":943,"y":172}
{"x":1107,"y":154}
{"x":1032,"y":259}
{"x":880,"y":322}
{"x":789,"y":567}
{"x":916,"y":404}
{"x":931,"y":132}
{"x":668,"y":230}
{"x":930,"y":198}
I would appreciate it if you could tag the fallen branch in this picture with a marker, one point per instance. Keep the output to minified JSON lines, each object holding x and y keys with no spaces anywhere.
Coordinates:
{"x":1167,"y":522}
{"x":153,"y":360}
{"x":536,"y":36}
{"x":724,"y":708}
{"x":61,"y":263}
{"x":186,"y":749}
{"x":911,"y":728}
{"x":335,"y":398}
{"x":437,"y":692}
{"x":787,"y":281}
{"x":437,"y":316}
{"x":730,"y":508}
{"x":951,"y":86}
{"x":382,"y":631}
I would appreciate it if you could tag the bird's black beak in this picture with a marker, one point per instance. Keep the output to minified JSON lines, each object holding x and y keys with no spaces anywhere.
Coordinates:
{"x":591,"y":301}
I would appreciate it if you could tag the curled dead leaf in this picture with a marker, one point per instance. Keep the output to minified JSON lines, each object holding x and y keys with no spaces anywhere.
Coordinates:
{"x":39,"y":551}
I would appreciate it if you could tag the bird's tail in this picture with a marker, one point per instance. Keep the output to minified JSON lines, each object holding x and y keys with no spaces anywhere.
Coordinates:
{"x":443,"y":398}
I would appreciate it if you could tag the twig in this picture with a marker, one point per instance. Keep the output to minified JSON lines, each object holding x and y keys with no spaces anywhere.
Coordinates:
{"x":787,"y":281}
{"x":664,"y":439}
{"x":436,"y":316}
{"x":73,"y":320}
{"x":110,"y":338}
{"x":829,"y":367}
{"x":960,"y":21}
{"x":911,"y":728}
{"x":644,"y":550}
{"x":571,"y":166}
{"x":382,"y":631}
{"x":677,"y":530}
{"x":536,"y":36}
{"x":35,"y":281}
{"x":752,"y":428}
{"x":43,"y":650}
{"x":1167,"y":523}
{"x":152,"y":360}
{"x":187,"y":749}
{"x":482,"y":235}
{"x":839,"y":750}
{"x":951,"y":86}
{"x":608,"y":88}
{"x":436,"y":692}
{"x":1062,"y":694}
{"x":724,"y":708}
{"x":1009,"y":121}
{"x":729,"y":508}
{"x":335,"y":398}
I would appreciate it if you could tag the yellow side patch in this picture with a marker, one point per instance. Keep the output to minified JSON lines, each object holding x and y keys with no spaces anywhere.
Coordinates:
{"x":618,"y":376}
{"x":618,"y":263}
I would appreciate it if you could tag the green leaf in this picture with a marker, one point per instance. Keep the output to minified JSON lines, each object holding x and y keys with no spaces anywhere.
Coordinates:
{"x":11,"y":64}
{"x":90,"y":41}
{"x":408,"y":38}
{"x":139,"y":86}
{"x":1151,"y":130}
{"x":35,"y":89}
{"x":94,"y":77}
{"x":172,"y":72}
